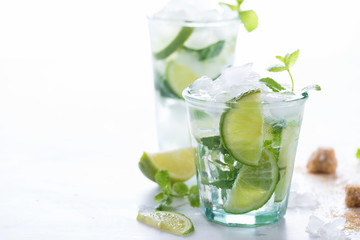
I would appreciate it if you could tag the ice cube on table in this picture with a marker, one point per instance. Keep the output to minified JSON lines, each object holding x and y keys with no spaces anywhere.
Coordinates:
{"x":314,"y":225}
{"x":330,"y":230}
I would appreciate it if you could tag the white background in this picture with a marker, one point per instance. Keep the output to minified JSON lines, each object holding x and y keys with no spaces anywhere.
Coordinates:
{"x":77,"y":109}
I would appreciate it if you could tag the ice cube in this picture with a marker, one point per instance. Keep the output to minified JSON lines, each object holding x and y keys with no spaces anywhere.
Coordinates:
{"x":201,"y":84}
{"x":314,"y":225}
{"x":239,"y":75}
{"x":330,"y":230}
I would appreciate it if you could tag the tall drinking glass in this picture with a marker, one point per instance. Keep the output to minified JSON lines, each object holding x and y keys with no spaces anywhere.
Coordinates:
{"x":182,"y":51}
{"x":244,"y":152}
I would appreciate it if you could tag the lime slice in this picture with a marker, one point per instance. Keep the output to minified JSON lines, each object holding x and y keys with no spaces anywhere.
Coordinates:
{"x":179,"y":163}
{"x":241,"y":128}
{"x":179,"y":76}
{"x":173,"y":222}
{"x":253,"y":186}
{"x":288,"y":145}
{"x":178,"y":41}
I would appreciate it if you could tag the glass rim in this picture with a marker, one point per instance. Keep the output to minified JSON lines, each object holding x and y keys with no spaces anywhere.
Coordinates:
{"x":194,"y":23}
{"x":195,"y":101}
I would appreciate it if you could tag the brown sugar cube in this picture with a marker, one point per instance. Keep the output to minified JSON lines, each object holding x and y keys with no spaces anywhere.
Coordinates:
{"x":323,"y":160}
{"x":352,"y":199}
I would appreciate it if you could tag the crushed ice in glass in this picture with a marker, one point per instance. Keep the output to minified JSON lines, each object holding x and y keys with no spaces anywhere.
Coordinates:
{"x":234,"y":81}
{"x":199,"y":10}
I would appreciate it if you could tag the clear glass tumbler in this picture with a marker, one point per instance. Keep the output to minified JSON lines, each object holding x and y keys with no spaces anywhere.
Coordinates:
{"x":244,"y":154}
{"x":182,"y":51}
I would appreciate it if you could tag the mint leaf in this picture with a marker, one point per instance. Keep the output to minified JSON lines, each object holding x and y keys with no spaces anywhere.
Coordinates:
{"x":232,"y":7}
{"x":162,"y":178}
{"x":249,"y":19}
{"x":291,"y":59}
{"x":194,"y":196}
{"x":272,"y":84}
{"x":277,"y":68}
{"x":213,"y":142}
{"x":229,"y":159}
{"x":223,"y":184}
{"x":159,"y":197}
{"x":181,"y":189}
{"x":358,"y":153}
{"x":208,"y":52}
{"x":281,"y":59}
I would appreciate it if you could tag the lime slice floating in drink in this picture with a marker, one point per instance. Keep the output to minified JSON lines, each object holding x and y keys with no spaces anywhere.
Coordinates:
{"x":286,"y":161}
{"x":241,"y":128}
{"x":179,"y":164}
{"x":254,"y":185}
{"x":173,"y":222}
{"x":179,"y":76}
{"x":177,"y":42}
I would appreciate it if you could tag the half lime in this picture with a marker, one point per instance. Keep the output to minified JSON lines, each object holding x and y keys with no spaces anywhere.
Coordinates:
{"x":179,"y":76}
{"x":177,"y":42}
{"x":241,"y":128}
{"x":286,"y":161}
{"x":179,"y":163}
{"x":173,"y":222}
{"x":253,"y":186}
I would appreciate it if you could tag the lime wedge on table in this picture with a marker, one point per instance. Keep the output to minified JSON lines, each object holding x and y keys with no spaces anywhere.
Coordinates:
{"x":286,"y":161}
{"x":177,"y":42}
{"x":179,"y":76}
{"x":254,"y":185}
{"x":179,"y":163}
{"x":173,"y":222}
{"x":241,"y":128}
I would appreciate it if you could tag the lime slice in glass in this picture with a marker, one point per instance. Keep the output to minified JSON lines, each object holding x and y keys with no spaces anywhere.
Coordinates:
{"x":288,"y":145}
{"x":241,"y":128}
{"x":177,"y":42}
{"x":253,"y":186}
{"x":173,"y":222}
{"x":179,"y":76}
{"x":179,"y":164}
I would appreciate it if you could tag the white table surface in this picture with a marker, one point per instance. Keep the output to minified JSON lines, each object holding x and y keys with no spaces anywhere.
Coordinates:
{"x":77,"y":111}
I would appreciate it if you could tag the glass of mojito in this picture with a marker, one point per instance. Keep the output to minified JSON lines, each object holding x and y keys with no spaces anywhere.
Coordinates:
{"x":244,"y":138}
{"x":186,"y":43}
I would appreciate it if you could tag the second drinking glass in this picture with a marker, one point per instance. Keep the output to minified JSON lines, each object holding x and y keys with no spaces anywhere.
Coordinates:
{"x":183,"y":51}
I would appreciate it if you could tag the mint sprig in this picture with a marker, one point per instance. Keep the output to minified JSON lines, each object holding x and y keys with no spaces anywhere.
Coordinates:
{"x":248,"y":17}
{"x":177,"y":190}
{"x":288,"y":60}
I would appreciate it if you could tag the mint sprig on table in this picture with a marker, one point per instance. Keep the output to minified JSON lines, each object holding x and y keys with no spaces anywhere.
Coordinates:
{"x":248,"y":17}
{"x":177,"y":190}
{"x":288,"y":61}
